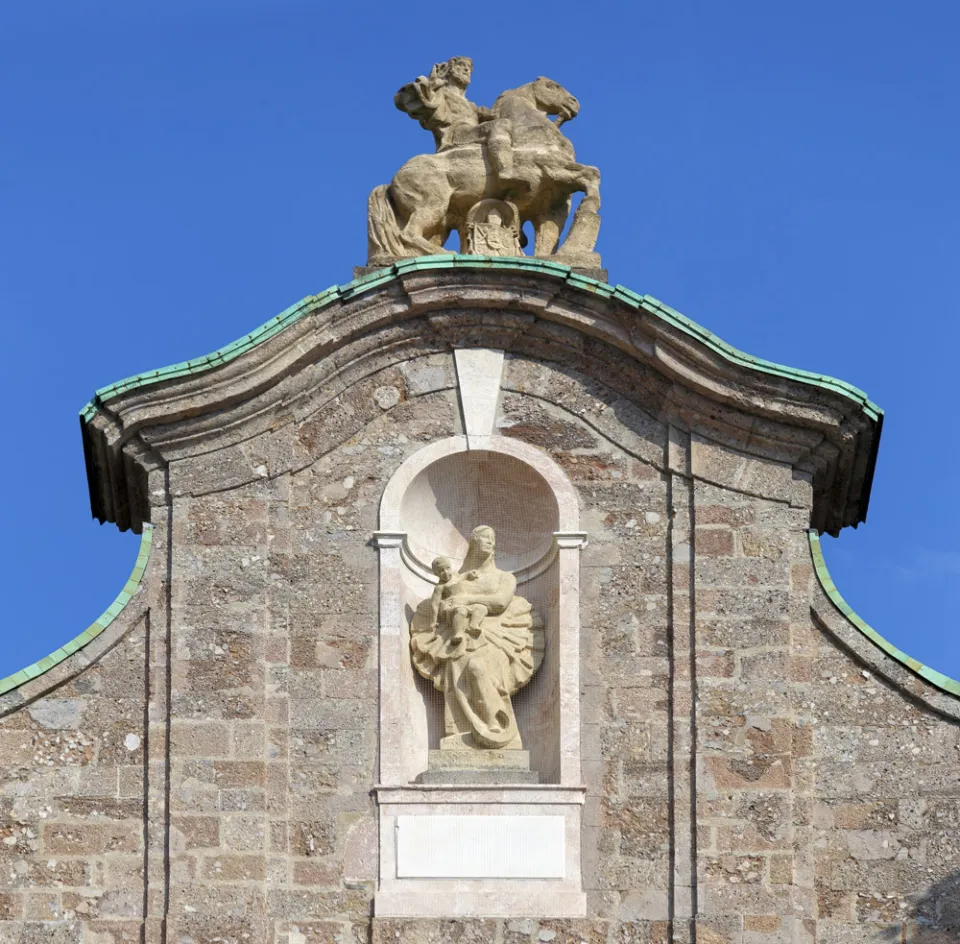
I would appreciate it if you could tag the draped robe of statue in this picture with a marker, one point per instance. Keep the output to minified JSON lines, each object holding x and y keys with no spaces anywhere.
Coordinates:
{"x":478,"y":667}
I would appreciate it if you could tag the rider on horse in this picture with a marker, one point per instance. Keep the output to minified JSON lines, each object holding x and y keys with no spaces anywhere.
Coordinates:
{"x":439,"y":103}
{"x":513,"y":152}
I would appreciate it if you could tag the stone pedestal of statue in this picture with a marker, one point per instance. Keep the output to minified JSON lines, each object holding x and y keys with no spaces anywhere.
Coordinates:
{"x":598,"y":273}
{"x":480,"y":767}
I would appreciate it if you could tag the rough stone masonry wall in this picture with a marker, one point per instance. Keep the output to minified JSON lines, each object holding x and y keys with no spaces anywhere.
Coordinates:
{"x":828,"y":800}
{"x":275,"y":671}
{"x":754,"y":734}
{"x":884,"y":827}
{"x":275,"y":678}
{"x":625,"y":673}
{"x":72,"y":798}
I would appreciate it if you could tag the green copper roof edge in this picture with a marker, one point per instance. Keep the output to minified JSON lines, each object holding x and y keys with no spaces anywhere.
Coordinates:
{"x":221,"y":356}
{"x":94,"y":629}
{"x":734,"y":354}
{"x":387,"y":274}
{"x":935,"y":678}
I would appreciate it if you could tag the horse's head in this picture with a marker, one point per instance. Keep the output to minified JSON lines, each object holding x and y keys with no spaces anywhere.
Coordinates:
{"x":553,"y":99}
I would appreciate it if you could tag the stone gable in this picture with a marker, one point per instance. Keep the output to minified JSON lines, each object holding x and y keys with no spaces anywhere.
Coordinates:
{"x":751,"y":767}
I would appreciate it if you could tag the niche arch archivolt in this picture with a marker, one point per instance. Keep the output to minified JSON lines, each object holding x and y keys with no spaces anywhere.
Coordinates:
{"x":447,"y":499}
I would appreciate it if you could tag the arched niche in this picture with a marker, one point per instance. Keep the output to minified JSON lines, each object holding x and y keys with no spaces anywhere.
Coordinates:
{"x":428,"y":509}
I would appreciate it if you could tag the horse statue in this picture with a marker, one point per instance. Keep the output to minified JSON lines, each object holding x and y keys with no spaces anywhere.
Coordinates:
{"x":432,"y":194}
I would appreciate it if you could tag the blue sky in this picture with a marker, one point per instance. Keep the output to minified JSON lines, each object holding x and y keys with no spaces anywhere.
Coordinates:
{"x":175,"y":174}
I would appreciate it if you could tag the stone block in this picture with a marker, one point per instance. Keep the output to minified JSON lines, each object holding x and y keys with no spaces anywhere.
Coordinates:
{"x":433,"y":931}
{"x":484,"y":776}
{"x":570,"y":931}
{"x":761,"y":773}
{"x":91,"y":839}
{"x":195,"y":832}
{"x":315,"y":873}
{"x":643,"y":932}
{"x":324,"y":932}
{"x":714,"y":542}
{"x":234,"y":868}
{"x":200,"y":739}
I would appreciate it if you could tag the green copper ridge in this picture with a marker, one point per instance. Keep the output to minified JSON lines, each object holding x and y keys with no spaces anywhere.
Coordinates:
{"x":380,"y":277}
{"x":95,"y":628}
{"x":935,"y":678}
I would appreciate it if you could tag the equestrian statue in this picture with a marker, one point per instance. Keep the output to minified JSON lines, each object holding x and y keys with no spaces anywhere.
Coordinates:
{"x":506,"y":166}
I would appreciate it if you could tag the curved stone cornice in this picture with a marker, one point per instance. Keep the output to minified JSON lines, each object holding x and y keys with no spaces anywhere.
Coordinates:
{"x":823,"y":427}
{"x":936,"y":690}
{"x":99,"y":637}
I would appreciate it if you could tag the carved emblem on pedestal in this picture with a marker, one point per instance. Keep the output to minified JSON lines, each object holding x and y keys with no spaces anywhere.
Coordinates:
{"x":493,"y":229}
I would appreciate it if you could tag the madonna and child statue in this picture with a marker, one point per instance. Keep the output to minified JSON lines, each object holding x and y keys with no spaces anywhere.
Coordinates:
{"x":479,"y":644}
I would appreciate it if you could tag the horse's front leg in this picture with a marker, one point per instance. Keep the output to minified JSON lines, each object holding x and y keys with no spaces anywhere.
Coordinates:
{"x":581,"y":178}
{"x":582,"y":236}
{"x":590,"y":177}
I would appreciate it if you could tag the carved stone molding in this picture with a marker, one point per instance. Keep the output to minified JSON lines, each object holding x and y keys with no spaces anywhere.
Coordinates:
{"x":824,"y":429}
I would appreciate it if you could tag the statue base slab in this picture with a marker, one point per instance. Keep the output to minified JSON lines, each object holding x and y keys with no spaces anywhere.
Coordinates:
{"x":596,"y":272}
{"x":478,"y":767}
{"x":489,"y":776}
{"x":473,"y":759}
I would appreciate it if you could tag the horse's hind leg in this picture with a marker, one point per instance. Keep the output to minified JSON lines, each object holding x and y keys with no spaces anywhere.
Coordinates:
{"x":549,"y":226}
{"x":425,"y":229}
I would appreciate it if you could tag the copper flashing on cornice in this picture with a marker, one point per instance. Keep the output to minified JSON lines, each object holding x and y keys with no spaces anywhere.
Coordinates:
{"x":826,"y":428}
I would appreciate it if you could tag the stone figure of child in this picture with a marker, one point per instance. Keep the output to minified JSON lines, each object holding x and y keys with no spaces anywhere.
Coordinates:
{"x":443,"y":567}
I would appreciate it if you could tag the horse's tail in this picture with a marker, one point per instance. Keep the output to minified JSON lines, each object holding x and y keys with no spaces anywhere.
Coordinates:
{"x":384,"y":239}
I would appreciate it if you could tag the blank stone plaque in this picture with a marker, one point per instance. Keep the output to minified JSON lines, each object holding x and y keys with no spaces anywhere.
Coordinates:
{"x":481,"y":847}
